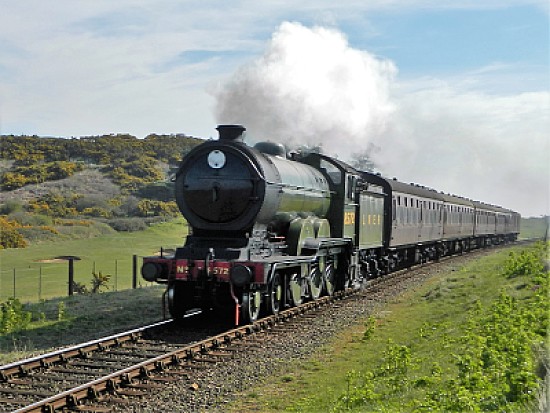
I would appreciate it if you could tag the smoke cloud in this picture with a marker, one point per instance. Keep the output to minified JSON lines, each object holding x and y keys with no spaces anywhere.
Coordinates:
{"x":485,"y":147}
{"x":311,"y":88}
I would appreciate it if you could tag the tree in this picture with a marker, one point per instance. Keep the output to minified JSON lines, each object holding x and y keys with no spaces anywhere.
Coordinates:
{"x":363,"y":160}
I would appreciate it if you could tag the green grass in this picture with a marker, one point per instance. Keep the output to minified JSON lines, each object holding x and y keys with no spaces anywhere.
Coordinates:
{"x":111,"y":254}
{"x":83,"y":318}
{"x":418,"y":329}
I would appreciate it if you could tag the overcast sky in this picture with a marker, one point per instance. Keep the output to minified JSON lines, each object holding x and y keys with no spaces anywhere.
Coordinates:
{"x":454,"y":95}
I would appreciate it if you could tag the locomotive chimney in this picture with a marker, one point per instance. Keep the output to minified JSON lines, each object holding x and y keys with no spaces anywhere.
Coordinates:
{"x":231,"y":132}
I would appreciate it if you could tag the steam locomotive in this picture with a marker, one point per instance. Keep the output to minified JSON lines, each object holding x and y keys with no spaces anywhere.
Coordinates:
{"x":269,"y":230}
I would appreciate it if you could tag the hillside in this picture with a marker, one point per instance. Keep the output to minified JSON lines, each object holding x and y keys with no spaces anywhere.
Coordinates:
{"x":48,"y":184}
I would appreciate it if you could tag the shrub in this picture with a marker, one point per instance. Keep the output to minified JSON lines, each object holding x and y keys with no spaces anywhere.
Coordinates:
{"x":11,"y":206}
{"x":12,"y":180}
{"x":91,"y":201}
{"x":55,"y":205}
{"x":72,"y":222}
{"x":79,"y":288}
{"x":370,"y":326}
{"x":149,"y":207}
{"x":128,"y":206}
{"x":12,"y":316}
{"x":33,"y":173}
{"x":39,"y":234}
{"x":60,"y":311}
{"x":10,"y":237}
{"x":99,"y":281}
{"x":527,"y":262}
{"x":31,"y":220}
{"x":97,"y":212}
{"x":127,"y":224}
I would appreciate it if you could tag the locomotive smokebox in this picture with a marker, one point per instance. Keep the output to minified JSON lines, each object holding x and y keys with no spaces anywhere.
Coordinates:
{"x":226,"y":187}
{"x":233,"y":133}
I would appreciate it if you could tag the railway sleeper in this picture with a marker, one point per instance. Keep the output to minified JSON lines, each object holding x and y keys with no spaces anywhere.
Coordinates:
{"x":24,"y":392}
{"x":129,"y":392}
{"x":74,"y":371}
{"x":95,"y":409}
{"x":143,"y":386}
{"x":13,"y":401}
{"x":166,"y":379}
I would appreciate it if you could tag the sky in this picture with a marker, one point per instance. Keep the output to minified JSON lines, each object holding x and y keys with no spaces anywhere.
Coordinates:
{"x":454,"y":95}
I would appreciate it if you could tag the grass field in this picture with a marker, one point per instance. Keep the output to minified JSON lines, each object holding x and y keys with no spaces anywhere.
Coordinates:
{"x":39,"y":276}
{"x":400,"y":358}
{"x":535,"y":227}
{"x":70,"y":320}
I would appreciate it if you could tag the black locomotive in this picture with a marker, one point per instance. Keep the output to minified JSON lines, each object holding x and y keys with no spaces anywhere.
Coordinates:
{"x":268,"y":231}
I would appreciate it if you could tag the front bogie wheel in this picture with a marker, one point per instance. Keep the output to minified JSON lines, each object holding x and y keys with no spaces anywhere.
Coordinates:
{"x":250,"y":306}
{"x":180,"y":299}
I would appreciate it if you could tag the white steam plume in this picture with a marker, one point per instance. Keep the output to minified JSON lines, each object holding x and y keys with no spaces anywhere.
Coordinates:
{"x":310,"y":88}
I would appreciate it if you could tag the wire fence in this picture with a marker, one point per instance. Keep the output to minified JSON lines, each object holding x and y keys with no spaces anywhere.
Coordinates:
{"x":50,"y":278}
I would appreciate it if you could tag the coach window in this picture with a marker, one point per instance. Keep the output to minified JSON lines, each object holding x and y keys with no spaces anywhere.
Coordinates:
{"x":401,"y":210}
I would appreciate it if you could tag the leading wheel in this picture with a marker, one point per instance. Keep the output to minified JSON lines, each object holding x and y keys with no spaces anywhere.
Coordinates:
{"x":250,"y":307}
{"x":275,"y":295}
{"x":180,"y":299}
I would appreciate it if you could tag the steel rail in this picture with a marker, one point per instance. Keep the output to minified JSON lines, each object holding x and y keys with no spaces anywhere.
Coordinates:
{"x":110,"y":382}
{"x":64,"y":354}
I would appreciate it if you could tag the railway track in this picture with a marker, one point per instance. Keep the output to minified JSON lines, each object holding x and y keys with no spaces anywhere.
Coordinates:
{"x":102,"y":374}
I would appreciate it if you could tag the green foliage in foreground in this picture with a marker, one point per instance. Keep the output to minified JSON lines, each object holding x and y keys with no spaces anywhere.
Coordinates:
{"x":13,"y":317}
{"x":471,"y":339}
{"x":494,"y":358}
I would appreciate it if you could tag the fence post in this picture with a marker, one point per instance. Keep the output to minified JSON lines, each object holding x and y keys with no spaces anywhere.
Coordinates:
{"x":134,"y":271}
{"x":40,"y":284}
{"x":71,"y":276}
{"x":14,"y":283}
{"x":71,"y":259}
{"x":116,"y":274}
